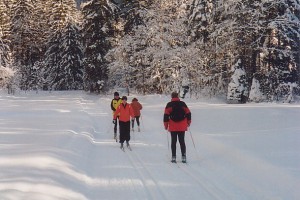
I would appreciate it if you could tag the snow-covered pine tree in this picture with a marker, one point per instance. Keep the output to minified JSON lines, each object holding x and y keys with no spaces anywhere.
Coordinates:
{"x":99,"y":18}
{"x":4,"y":61}
{"x":5,"y":58}
{"x":128,"y":67}
{"x":21,"y":41}
{"x":237,"y":87}
{"x":41,"y":31}
{"x":170,"y":40}
{"x":210,"y":26}
{"x":200,"y":19}
{"x":255,"y":94}
{"x":60,"y":12}
{"x":245,"y":31}
{"x":20,"y":31}
{"x":53,"y":71}
{"x":36,"y":79}
{"x":156,"y":50}
{"x":28,"y":37}
{"x":279,"y":45}
{"x":64,"y":54}
{"x":71,"y":58}
{"x":285,"y":92}
{"x":131,"y":11}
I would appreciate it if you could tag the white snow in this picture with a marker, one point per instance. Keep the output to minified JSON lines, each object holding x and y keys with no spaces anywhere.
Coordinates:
{"x":58,"y":146}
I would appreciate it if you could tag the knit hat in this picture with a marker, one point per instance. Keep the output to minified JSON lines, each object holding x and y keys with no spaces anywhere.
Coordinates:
{"x":134,"y":99}
{"x":116,"y":94}
{"x":124,"y":98}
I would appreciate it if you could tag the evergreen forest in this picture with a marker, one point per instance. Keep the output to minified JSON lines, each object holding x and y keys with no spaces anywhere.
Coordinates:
{"x":243,"y":50}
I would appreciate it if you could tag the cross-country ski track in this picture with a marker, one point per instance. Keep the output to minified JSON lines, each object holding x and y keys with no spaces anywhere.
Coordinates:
{"x":59,"y":146}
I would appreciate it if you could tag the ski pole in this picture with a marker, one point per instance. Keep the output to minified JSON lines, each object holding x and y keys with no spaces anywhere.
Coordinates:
{"x":133,"y":136}
{"x":109,"y":128}
{"x":167,"y":133}
{"x":194,"y":144}
{"x":192,"y":138}
{"x":132,"y":123}
{"x":133,"y":132}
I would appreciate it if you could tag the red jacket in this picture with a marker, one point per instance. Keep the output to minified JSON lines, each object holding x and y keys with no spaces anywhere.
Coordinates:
{"x":124,"y":112}
{"x":177,"y":126}
{"x":137,"y":107}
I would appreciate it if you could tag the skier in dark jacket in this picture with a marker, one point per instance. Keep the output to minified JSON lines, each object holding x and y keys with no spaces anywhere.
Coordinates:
{"x":177,"y":118}
{"x":115,"y":102}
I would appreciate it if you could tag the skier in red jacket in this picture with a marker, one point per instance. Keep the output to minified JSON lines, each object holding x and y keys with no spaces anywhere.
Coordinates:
{"x":137,"y":107}
{"x":177,"y":118}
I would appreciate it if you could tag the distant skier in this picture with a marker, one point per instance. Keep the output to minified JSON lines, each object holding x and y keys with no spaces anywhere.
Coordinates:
{"x":177,"y":117}
{"x":185,"y":90}
{"x":125,"y":112}
{"x":137,"y":107}
{"x":115,"y":102}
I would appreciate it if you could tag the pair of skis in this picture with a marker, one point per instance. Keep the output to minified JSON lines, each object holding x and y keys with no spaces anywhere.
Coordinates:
{"x":122,"y":147}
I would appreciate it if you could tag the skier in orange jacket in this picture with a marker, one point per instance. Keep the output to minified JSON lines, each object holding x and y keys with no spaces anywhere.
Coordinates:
{"x":125,"y":112}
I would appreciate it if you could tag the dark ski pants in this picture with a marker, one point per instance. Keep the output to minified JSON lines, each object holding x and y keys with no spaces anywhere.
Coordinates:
{"x":115,"y":128}
{"x":180,"y":136}
{"x":124,"y":131}
{"x":137,"y":118}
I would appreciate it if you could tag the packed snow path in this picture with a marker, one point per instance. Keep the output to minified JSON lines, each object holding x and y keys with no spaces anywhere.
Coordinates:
{"x":59,"y":146}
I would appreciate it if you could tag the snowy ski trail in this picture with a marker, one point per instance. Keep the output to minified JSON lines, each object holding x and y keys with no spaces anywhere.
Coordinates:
{"x":152,"y":188}
{"x":60,"y":146}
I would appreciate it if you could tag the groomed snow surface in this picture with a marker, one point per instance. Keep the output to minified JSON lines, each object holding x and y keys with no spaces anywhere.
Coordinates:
{"x":59,"y":146}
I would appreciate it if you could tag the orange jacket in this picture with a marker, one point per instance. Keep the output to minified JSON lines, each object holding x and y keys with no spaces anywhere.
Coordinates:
{"x":137,"y":107}
{"x":125,"y":112}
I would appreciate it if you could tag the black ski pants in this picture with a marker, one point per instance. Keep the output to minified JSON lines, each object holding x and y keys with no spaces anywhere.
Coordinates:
{"x":180,"y":136}
{"x":115,"y":127}
{"x":137,"y":118}
{"x":124,"y":131}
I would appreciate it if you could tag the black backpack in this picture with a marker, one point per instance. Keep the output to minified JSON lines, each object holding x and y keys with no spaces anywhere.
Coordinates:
{"x":178,"y":113}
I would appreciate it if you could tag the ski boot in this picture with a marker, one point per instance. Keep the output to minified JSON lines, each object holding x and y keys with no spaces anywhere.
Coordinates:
{"x":122,"y":147}
{"x":183,"y":159}
{"x":128,"y":146}
{"x":173,"y":159}
{"x":115,"y":135}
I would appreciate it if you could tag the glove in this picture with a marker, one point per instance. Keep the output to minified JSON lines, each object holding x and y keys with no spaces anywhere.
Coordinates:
{"x":166,"y":125}
{"x":189,"y":123}
{"x":114,"y":121}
